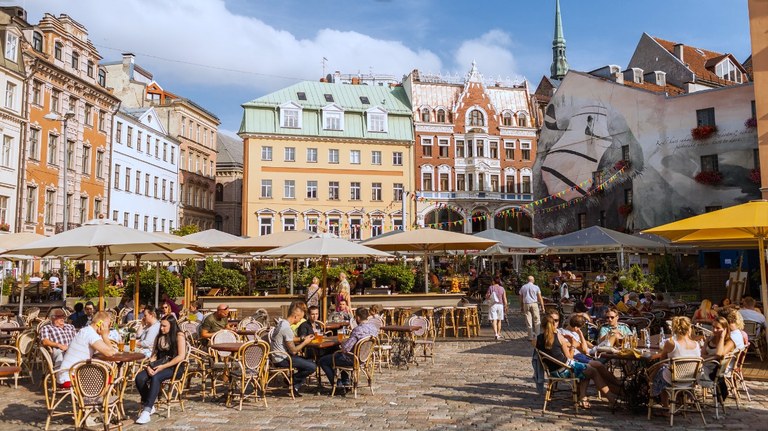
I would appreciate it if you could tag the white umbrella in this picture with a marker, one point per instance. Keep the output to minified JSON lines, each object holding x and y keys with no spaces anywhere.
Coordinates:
{"x":106,"y":238}
{"x":10,"y":241}
{"x":211,"y":240}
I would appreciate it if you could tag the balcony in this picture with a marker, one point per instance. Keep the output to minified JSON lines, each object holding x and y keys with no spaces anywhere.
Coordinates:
{"x":59,"y":227}
{"x":477,"y":161}
{"x":477,"y":195}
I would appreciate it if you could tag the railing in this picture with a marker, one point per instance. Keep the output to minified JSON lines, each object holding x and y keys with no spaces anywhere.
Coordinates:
{"x":478,"y":195}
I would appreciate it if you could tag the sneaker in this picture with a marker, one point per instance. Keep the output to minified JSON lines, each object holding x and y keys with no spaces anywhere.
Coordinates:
{"x":143,"y":418}
{"x":296,"y":392}
{"x":154,"y":410}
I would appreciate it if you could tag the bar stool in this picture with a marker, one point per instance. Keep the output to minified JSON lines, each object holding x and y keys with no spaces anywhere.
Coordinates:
{"x":447,"y":321}
{"x":429,"y":314}
{"x":462,"y":321}
{"x":388,"y":313}
{"x":403,"y":315}
{"x":474,"y":319}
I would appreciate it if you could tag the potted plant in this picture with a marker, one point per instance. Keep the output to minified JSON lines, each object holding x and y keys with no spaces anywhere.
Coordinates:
{"x":751,"y":123}
{"x":703,"y":132}
{"x":625,"y":210}
{"x":709,"y":178}
{"x":5,"y":227}
{"x":754,"y":176}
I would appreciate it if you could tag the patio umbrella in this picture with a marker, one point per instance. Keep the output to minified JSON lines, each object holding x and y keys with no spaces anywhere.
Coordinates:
{"x":426,"y":241}
{"x":324,"y":246}
{"x":9,"y":241}
{"x":509,"y":244}
{"x":267,"y":242}
{"x":740,"y":225}
{"x":210,"y":240}
{"x":106,"y":238}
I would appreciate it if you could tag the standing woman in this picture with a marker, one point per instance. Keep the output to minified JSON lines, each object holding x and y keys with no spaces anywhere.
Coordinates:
{"x":170,"y":349}
{"x":313,"y":293}
{"x":343,"y":294}
{"x":498,"y":301}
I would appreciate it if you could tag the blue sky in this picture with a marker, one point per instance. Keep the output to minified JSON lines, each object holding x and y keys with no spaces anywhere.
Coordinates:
{"x":222,"y":53}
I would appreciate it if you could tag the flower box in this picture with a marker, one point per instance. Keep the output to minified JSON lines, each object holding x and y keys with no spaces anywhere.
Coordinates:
{"x":754,"y":176}
{"x":709,"y":178}
{"x":5,"y":227}
{"x":751,"y":123}
{"x":625,"y":209}
{"x":703,"y":132}
{"x":621,"y":164}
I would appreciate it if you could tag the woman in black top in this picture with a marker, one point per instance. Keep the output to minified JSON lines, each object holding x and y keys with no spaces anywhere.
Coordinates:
{"x":170,"y":349}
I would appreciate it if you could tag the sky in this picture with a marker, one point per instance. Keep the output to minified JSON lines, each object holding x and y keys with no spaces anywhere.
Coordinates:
{"x":222,"y":53}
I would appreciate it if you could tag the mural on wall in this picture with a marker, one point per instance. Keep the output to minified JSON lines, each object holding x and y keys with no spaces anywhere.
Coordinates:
{"x":591,"y":125}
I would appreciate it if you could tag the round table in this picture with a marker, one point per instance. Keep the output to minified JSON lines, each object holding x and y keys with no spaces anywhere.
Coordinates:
{"x":14,"y":329}
{"x":247,"y":332}
{"x":121,"y":357}
{"x":9,"y":371}
{"x":227,"y":347}
{"x":403,"y":346}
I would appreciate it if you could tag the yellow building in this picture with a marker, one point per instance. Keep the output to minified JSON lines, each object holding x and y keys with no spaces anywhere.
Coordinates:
{"x":327,"y":158}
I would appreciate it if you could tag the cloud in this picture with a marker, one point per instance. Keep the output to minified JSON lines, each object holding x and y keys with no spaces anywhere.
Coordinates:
{"x":172,"y":38}
{"x":492,"y":52}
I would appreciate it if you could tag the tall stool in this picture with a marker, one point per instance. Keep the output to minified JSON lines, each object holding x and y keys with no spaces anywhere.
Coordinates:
{"x":447,"y":321}
{"x":388,"y":313}
{"x":403,"y":314}
{"x":462,"y":321}
{"x":429,"y":314}
{"x":474,"y":320}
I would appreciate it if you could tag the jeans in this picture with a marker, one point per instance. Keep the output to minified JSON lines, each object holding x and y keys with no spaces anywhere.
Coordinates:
{"x":302,"y":366}
{"x":149,"y":386}
{"x":532,"y":319}
{"x":343,"y":359}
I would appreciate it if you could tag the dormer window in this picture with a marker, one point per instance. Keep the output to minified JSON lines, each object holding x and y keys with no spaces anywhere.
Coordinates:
{"x":425,"y":115}
{"x":728,"y":71}
{"x":11,"y":46}
{"x":506,"y":118}
{"x":37,"y":42}
{"x":522,"y":120}
{"x":661,"y":78}
{"x":328,"y":97}
{"x":476,"y":118}
{"x":637,"y":75}
{"x":301,"y":95}
{"x":441,"y":116}
{"x":333,"y":118}
{"x":377,"y":120}
{"x":290,"y":115}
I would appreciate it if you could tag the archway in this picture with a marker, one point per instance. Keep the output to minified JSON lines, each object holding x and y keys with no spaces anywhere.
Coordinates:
{"x":479,"y":221}
{"x":444,"y":219}
{"x":514,"y":221}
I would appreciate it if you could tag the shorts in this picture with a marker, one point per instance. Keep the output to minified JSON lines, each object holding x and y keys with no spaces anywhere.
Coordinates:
{"x":496,"y":312}
{"x":578,"y":370}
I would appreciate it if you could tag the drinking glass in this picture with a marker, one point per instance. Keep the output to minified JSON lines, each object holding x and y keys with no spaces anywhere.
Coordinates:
{"x":132,"y":343}
{"x":121,"y":346}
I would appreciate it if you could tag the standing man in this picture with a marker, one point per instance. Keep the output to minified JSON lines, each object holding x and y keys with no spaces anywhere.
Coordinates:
{"x":530,"y":300}
{"x":283,"y":347}
{"x":498,"y":300}
{"x":57,"y":335}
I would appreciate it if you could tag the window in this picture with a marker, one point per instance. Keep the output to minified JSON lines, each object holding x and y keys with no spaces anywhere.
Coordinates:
{"x":102,"y":121}
{"x":128,"y":135}
{"x":709,"y":163}
{"x":426,"y":181}
{"x":137,"y":186}
{"x":397,"y":191}
{"x":156,"y":184}
{"x":312,"y":189}
{"x":10,"y":95}
{"x":301,"y":95}
{"x":525,"y":148}
{"x":725,"y":70}
{"x":628,"y":196}
{"x":3,"y":208}
{"x":312,"y":224}
{"x":333,"y":190}
{"x":377,"y":122}
{"x":506,"y":119}
{"x":494,"y":150}
{"x":173,"y":155}
{"x":157,"y":149}
{"x":333,"y":225}
{"x":37,"y":41}
{"x":128,"y":179}
{"x":57,"y":50}
{"x":89,"y":69}
{"x":481,"y":182}
{"x":522,"y":120}
{"x":146,"y":185}
{"x":89,"y":115}
{"x":364,"y":100}
{"x":102,"y":77}
{"x":509,"y":185}
{"x":705,"y":117}
{"x":290,"y":118}
{"x":148,"y":144}
{"x":50,"y":201}
{"x":31,"y":204}
{"x":509,"y":150}
{"x":119,"y":133}
{"x":526,"y":184}
{"x":376,"y":157}
{"x":397,"y":224}
{"x":426,"y":147}
{"x":100,"y":164}
{"x":625,"y":152}
{"x":138,"y":140}
{"x":376,"y":226}
{"x":459,"y":149}
{"x":83,"y":209}
{"x":443,"y":148}
{"x":354,"y":191}
{"x":289,"y":223}
{"x":397,"y":158}
{"x":165,"y":151}
{"x":444,"y":182}
{"x":55,"y":97}
{"x":5,"y":152}
{"x":582,"y":220}
{"x":328,"y":98}
{"x":425,"y":115}
{"x":37,"y":90}
{"x":461,"y":183}
{"x":476,"y":118}
{"x":354,"y":157}
{"x":480,"y":148}
{"x":115,"y":213}
{"x":72,"y":104}
{"x":53,"y":143}
{"x":146,"y":223}
{"x":96,"y":208}
{"x":470,"y":182}
{"x":154,"y":223}
{"x":333,"y":120}
{"x":70,"y":155}
{"x":75,"y":61}
{"x":33,"y":149}
{"x":290,"y":154}
{"x":440,"y":116}
{"x":170,"y":192}
{"x":289,"y":189}
{"x":494,"y":183}
{"x":266,"y":153}
{"x":117,"y":177}
{"x":354,"y":229}
{"x":311,"y":155}
{"x":376,"y":191}
{"x":333,"y":156}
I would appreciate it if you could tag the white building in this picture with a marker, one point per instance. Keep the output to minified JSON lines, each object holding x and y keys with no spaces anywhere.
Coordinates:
{"x":145,"y":172}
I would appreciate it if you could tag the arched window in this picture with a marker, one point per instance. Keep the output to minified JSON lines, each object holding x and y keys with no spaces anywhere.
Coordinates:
{"x":425,"y":115}
{"x":522,"y":120}
{"x":506,"y":118}
{"x":476,"y":118}
{"x":219,"y":192}
{"x":441,"y":116}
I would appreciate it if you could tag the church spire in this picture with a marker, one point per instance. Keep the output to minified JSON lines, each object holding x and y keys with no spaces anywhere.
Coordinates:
{"x":559,"y":63}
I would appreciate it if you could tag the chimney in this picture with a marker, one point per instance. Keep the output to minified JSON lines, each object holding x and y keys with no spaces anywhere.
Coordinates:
{"x":128,"y":61}
{"x":678,"y":50}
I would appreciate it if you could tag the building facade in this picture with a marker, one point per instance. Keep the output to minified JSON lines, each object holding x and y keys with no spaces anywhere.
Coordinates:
{"x":228,"y":202}
{"x":64,"y":79}
{"x":671,"y":136}
{"x":475,"y":143}
{"x":190,"y":124}
{"x":327,"y":157}
{"x":145,"y":172}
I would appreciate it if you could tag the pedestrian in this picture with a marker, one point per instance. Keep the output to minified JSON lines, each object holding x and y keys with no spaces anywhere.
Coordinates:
{"x":530,"y":299}
{"x":498,"y":301}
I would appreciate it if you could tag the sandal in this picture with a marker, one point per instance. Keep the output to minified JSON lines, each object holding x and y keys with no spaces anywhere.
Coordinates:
{"x":584,"y":404}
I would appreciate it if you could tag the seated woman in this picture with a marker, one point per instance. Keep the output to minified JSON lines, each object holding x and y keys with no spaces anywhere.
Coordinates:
{"x":556,"y":345}
{"x":170,"y":349}
{"x":705,"y":313}
{"x":680,"y":345}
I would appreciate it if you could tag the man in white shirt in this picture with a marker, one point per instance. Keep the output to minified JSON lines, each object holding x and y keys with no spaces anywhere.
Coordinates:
{"x":283,"y":348}
{"x":530,"y":299}
{"x":748,"y":311}
{"x":91,"y":339}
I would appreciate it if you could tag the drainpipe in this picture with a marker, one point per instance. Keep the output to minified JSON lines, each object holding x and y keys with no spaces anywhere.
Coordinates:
{"x":21,"y":176}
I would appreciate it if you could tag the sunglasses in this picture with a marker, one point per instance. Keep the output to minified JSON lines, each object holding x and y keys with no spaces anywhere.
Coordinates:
{"x":611,"y":317}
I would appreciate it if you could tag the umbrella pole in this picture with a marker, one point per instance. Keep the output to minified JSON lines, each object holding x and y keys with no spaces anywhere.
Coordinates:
{"x":157,"y":285}
{"x":325,"y":289}
{"x":426,"y":273}
{"x":291,"y":281}
{"x":64,"y":279}
{"x":21,"y":301}
{"x":102,"y":252}
{"x":763,"y":287}
{"x":136,"y":277}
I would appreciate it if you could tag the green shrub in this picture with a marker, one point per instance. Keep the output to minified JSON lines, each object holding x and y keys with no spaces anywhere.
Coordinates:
{"x":304,"y":277}
{"x":215,"y":275}
{"x":8,"y":285}
{"x":391,"y":275}
{"x":635,"y":280}
{"x":186,"y":230}
{"x":169,"y":284}
{"x":90,"y":290}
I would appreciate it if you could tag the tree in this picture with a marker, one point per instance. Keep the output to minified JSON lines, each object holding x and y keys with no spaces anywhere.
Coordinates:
{"x":215,"y":275}
{"x":169,"y":284}
{"x":186,"y":230}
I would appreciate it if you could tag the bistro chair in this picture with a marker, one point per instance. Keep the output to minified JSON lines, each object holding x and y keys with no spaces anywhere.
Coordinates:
{"x":724,"y":374}
{"x":172,"y":390}
{"x":423,"y":337}
{"x":250,"y":324}
{"x":685,"y":373}
{"x":738,"y":374}
{"x":198,"y":365}
{"x":362,"y":355}
{"x":553,"y":380}
{"x":95,"y":388}
{"x":19,"y":355}
{"x":220,"y":360}
{"x":55,"y":394}
{"x":274,"y":372}
{"x":249,"y":370}
{"x":756,"y":337}
{"x":382,"y":351}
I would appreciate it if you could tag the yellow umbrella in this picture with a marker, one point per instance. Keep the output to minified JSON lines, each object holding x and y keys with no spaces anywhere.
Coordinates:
{"x":743,"y":225}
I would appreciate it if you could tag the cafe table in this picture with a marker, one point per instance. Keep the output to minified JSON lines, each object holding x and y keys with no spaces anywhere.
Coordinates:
{"x":632,"y":364}
{"x":13,"y":328}
{"x":317,"y":349}
{"x":335,"y":326}
{"x":403,"y":346}
{"x":233,"y":349}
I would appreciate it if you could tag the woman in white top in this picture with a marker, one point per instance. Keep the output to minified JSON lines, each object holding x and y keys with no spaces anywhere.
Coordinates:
{"x":679,"y":346}
{"x":736,"y":328}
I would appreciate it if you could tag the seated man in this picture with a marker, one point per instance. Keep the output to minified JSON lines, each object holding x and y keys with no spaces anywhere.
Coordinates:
{"x":214,"y":323}
{"x":78,"y":319}
{"x":343,"y":314}
{"x":748,"y":311}
{"x":363,"y":329}
{"x":91,"y":339}
{"x":89,"y":309}
{"x":311,"y":326}
{"x":195,"y":315}
{"x":283,"y":346}
{"x":613,"y":332}
{"x":57,"y":336}
{"x":150,"y":328}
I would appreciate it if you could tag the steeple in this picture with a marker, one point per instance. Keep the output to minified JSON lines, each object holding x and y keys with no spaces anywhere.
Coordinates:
{"x":559,"y":63}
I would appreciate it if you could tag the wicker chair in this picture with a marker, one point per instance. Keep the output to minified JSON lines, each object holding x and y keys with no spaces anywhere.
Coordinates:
{"x":199,"y":362}
{"x":738,"y":373}
{"x":191,"y":331}
{"x":55,"y":394}
{"x":20,"y":355}
{"x":286,"y":373}
{"x":756,"y":337}
{"x":94,"y":393}
{"x":382,"y":351}
{"x":724,"y":373}
{"x":249,"y":370}
{"x":362,"y":360}
{"x":219,"y":360}
{"x":423,"y":337}
{"x":250,"y":324}
{"x":172,"y":390}
{"x":685,"y":373}
{"x":552,"y":380}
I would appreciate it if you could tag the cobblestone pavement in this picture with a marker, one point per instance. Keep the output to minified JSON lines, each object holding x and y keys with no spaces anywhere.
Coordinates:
{"x":474,"y":384}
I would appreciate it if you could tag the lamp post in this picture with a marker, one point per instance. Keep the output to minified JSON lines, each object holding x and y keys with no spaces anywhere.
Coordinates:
{"x":65,"y":120}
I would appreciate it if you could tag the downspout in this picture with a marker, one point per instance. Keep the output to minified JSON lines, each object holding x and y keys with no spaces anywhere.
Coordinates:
{"x":21,"y":176}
